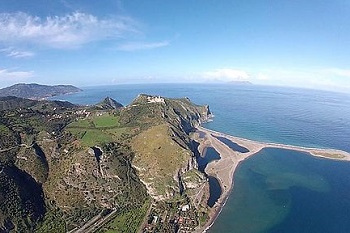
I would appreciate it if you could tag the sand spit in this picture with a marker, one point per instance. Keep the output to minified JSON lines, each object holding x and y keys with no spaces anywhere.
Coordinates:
{"x":224,"y":168}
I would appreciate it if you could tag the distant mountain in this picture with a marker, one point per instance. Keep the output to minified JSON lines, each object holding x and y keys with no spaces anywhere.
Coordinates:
{"x":37,"y":91}
{"x":109,"y":103}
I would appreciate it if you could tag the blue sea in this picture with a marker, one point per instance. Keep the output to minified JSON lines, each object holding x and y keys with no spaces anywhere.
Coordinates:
{"x":275,"y":190}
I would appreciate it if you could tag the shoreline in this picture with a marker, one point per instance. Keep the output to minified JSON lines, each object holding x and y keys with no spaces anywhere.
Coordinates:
{"x":225,"y":168}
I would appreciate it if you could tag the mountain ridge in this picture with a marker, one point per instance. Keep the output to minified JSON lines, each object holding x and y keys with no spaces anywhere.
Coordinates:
{"x":37,"y":91}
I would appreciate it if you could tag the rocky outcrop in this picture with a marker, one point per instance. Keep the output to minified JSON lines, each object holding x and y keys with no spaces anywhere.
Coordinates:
{"x":109,"y":104}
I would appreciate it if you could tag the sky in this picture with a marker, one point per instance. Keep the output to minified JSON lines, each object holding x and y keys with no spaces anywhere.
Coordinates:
{"x":85,"y":43}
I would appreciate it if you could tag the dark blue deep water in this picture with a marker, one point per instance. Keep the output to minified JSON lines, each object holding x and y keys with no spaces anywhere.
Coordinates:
{"x":276,"y":190}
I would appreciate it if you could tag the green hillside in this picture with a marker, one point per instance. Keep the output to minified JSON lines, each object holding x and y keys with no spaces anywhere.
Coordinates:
{"x":87,"y":169}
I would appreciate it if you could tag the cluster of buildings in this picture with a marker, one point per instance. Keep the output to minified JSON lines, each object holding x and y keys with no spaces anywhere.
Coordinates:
{"x":163,"y":218}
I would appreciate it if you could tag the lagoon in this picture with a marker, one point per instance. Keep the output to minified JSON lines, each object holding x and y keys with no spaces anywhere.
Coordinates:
{"x":209,"y":155}
{"x":234,"y":146}
{"x":280,"y":190}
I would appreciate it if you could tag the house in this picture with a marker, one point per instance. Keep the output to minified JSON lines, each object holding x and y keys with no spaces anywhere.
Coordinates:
{"x":184,"y":208}
{"x":155,"y":219}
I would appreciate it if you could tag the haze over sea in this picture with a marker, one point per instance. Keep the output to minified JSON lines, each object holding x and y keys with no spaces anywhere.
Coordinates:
{"x":276,"y":190}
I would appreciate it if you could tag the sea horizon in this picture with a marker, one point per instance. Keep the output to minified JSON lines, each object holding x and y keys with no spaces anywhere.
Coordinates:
{"x":207,"y":83}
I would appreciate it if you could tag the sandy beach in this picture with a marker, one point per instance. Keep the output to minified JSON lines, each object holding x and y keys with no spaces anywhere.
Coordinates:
{"x":225,"y":168}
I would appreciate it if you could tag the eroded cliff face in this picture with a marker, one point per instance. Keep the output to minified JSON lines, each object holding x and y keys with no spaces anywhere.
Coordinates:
{"x":164,"y":155}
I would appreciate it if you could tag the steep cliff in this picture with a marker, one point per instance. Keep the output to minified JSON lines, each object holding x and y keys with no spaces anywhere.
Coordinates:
{"x":163,"y":151}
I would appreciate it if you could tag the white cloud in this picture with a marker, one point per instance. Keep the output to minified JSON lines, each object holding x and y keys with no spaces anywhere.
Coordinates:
{"x":226,"y":74}
{"x":328,"y":79}
{"x":334,"y":79}
{"x":71,"y":30}
{"x":11,"y":52}
{"x":134,"y":46}
{"x":6,"y":74}
{"x":338,"y":72}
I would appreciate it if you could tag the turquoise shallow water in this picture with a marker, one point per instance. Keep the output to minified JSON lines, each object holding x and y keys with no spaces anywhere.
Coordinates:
{"x":277,"y":190}
{"x":283,"y":191}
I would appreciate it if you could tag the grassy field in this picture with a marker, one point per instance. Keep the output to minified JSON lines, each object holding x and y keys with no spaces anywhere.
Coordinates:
{"x":91,"y":137}
{"x":126,"y":222}
{"x":98,"y":129}
{"x":159,"y":157}
{"x":102,"y":121}
{"x":106,"y":120}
